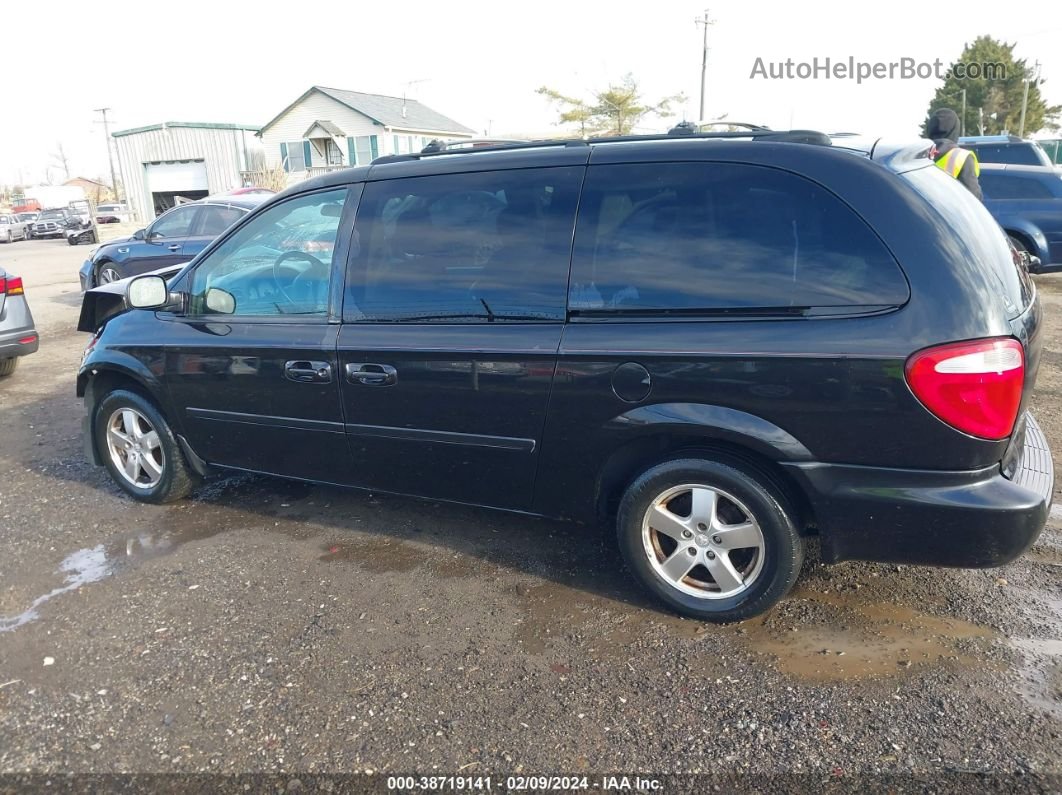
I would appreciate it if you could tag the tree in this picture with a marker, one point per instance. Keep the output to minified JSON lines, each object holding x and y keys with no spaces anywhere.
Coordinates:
{"x":60,"y":160}
{"x":613,"y":111}
{"x":996,"y":94}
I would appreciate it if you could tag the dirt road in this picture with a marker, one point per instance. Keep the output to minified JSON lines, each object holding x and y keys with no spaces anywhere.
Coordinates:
{"x":271,"y":626}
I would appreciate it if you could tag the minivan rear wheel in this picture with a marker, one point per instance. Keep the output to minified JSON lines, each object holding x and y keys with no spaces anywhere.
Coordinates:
{"x":140,"y":450}
{"x":713,"y":540}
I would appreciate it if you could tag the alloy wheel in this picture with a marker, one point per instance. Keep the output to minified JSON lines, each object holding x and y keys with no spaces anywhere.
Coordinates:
{"x":135,"y":448}
{"x":108,"y":274}
{"x":703,"y":541}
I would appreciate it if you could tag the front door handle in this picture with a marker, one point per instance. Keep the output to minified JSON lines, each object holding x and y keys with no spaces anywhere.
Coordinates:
{"x":174,"y":247}
{"x":307,"y":372}
{"x":371,"y":374}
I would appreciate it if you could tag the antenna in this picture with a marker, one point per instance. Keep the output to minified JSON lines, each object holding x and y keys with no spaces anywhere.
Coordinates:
{"x":406,"y":90}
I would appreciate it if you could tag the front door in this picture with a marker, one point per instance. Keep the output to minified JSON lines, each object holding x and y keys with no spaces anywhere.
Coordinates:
{"x":163,"y":243}
{"x":252,"y":366}
{"x":453,"y":312}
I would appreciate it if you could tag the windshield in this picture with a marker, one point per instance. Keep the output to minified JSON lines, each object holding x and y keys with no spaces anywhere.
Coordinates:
{"x":53,"y":215}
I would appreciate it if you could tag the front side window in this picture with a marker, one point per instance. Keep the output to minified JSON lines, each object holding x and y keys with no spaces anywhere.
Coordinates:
{"x":278,"y":264}
{"x":175,"y":223}
{"x":484,"y":247}
{"x":707,"y":237}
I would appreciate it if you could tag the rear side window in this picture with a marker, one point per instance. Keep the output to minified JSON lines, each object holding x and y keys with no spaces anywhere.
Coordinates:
{"x":1004,"y":186}
{"x":468,"y":248}
{"x":713,"y":237}
{"x":978,"y":231}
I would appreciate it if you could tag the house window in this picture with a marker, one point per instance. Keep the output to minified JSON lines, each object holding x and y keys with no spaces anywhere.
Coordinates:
{"x":335,"y":154}
{"x":296,"y":159}
{"x":363,"y":149}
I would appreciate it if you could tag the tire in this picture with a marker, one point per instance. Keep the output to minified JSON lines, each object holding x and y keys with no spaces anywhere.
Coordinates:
{"x":7,"y":366}
{"x":101,"y":274}
{"x":71,"y":241}
{"x":7,"y":237}
{"x":749,"y":540}
{"x":159,"y":472}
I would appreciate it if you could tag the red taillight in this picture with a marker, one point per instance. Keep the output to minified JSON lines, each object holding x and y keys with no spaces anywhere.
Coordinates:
{"x":972,"y":386}
{"x":12,"y":285}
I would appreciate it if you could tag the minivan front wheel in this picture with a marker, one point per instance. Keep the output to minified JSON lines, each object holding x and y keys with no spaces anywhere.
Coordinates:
{"x":139,"y":449}
{"x":714,"y":541}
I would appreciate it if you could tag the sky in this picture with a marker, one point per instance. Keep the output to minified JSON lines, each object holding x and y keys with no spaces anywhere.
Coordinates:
{"x":477,"y":62}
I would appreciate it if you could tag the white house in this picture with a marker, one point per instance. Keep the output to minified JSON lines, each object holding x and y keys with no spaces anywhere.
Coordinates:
{"x":329,"y":128}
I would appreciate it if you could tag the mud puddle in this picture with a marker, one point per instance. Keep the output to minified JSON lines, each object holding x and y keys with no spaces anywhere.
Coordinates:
{"x":179,"y":525}
{"x":1041,"y":666}
{"x":843,"y":638}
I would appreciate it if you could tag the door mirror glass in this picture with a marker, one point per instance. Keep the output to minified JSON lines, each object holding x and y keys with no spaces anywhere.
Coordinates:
{"x":147,"y":292}
{"x":220,"y":301}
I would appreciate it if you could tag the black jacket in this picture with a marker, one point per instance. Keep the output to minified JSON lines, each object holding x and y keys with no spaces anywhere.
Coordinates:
{"x":943,"y":128}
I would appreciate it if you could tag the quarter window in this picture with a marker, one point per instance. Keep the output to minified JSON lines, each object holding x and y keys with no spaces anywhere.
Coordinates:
{"x":278,"y":264}
{"x":484,"y":247}
{"x":709,"y":237}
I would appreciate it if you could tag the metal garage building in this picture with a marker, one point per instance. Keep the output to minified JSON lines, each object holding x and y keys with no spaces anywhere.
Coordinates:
{"x":165,"y":164}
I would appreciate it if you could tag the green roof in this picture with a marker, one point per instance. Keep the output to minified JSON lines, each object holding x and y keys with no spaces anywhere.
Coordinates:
{"x":196,"y":124}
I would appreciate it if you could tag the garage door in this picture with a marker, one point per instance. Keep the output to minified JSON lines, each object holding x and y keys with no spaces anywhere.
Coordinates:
{"x":176,"y":176}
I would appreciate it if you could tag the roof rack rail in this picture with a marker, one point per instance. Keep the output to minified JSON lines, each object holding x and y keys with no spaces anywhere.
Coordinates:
{"x":762,"y":134}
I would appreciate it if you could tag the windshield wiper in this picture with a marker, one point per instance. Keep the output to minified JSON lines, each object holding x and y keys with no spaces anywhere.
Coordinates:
{"x":492,"y":317}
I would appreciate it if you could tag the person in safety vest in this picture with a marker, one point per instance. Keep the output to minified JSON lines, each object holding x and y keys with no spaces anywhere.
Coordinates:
{"x":943,"y":128}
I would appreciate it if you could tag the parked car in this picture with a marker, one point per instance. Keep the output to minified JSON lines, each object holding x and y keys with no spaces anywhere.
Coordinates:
{"x":174,"y":237}
{"x":52,"y":222}
{"x":29,"y":218}
{"x":1027,"y":203}
{"x":79,"y":228}
{"x":18,"y":335}
{"x":718,"y":345}
{"x":11,"y":228}
{"x":112,"y":214}
{"x":1006,"y":149}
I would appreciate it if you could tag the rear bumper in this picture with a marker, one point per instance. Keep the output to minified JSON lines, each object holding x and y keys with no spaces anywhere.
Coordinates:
{"x":972,"y":519}
{"x":18,"y":335}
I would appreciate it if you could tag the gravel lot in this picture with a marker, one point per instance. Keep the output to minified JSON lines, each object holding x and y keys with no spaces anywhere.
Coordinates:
{"x":277,"y":627}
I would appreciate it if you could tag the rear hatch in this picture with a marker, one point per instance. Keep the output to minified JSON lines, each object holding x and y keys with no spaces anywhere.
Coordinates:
{"x":1007,"y":278}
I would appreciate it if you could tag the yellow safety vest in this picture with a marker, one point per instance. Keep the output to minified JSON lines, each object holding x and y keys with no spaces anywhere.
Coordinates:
{"x":953,"y":161}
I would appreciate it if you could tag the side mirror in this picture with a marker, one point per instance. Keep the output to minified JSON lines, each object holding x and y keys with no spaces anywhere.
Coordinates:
{"x":138,"y":234}
{"x":147,"y":292}
{"x":220,"y":301}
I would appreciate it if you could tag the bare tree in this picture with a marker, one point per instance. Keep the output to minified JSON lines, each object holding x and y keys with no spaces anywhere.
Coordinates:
{"x":60,"y":160}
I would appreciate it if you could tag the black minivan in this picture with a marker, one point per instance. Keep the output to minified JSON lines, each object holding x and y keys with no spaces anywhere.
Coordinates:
{"x":722,"y":343}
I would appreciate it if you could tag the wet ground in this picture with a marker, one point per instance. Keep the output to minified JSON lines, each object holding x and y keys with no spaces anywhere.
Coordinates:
{"x":272,"y":626}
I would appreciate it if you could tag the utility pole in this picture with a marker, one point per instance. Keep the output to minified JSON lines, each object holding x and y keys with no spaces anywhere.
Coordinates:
{"x":705,"y":21}
{"x":962,"y":118}
{"x":1025,"y":97}
{"x":110,"y":155}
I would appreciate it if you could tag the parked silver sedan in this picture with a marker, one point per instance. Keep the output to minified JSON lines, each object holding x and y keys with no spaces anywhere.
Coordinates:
{"x":18,"y":335}
{"x":11,"y":228}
